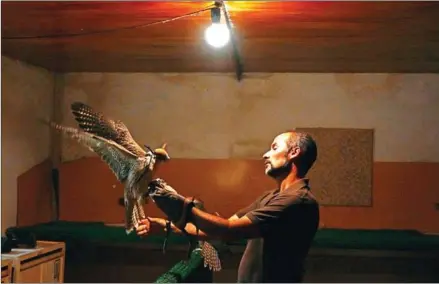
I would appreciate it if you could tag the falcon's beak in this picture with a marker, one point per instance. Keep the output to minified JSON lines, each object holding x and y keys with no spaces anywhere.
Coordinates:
{"x":162,"y":154}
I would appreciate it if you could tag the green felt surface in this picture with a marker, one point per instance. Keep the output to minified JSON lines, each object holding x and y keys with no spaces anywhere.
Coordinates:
{"x":92,"y":232}
{"x":376,"y":239}
{"x":325,"y":238}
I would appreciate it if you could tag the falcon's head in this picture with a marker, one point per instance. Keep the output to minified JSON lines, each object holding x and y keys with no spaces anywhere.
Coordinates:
{"x":161,"y":153}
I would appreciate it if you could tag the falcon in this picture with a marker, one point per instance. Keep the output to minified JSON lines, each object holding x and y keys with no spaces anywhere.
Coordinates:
{"x":132,"y":165}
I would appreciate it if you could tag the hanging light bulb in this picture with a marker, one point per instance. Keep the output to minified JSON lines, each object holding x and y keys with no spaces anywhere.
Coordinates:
{"x":217,"y":34}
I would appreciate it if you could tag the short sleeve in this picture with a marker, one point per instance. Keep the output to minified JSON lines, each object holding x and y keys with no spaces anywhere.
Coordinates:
{"x":252,"y":206}
{"x":270,"y":214}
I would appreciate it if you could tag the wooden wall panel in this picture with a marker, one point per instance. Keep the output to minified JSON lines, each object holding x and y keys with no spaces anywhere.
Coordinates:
{"x":90,"y":192}
{"x":34,"y":195}
{"x":273,"y":36}
{"x":404,"y":194}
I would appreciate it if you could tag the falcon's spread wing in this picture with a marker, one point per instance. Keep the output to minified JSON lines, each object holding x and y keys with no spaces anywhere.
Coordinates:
{"x":119,"y":159}
{"x":210,"y":256}
{"x":95,"y":122}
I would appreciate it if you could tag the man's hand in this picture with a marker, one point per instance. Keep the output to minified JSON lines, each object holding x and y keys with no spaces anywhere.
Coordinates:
{"x":146,"y":225}
{"x":143,"y":229}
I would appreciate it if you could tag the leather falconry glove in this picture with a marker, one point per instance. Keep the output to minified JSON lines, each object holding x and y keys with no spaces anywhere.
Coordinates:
{"x":176,"y":207}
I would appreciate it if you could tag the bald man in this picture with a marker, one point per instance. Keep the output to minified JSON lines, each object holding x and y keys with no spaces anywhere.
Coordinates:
{"x":279,"y":226}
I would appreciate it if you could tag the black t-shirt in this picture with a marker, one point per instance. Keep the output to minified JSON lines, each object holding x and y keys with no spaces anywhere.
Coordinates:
{"x":288,"y":221}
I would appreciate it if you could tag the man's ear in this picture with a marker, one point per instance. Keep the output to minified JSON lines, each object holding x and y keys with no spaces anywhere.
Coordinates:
{"x":293,"y":152}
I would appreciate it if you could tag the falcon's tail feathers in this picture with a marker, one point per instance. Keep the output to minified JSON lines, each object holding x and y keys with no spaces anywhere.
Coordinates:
{"x":129,"y":216}
{"x":134,"y":213}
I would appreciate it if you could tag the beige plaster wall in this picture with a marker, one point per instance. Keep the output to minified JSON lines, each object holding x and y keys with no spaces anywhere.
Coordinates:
{"x":26,"y":94}
{"x":214,"y":116}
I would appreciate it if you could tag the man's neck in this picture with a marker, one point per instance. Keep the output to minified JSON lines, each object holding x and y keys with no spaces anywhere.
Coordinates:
{"x":288,"y":181}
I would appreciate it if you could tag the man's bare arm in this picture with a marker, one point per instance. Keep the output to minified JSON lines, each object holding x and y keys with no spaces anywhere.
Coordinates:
{"x":215,"y":227}
{"x":234,"y":217}
{"x":192,"y":230}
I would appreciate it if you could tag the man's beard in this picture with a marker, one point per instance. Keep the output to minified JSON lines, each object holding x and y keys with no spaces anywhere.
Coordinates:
{"x":283,"y":170}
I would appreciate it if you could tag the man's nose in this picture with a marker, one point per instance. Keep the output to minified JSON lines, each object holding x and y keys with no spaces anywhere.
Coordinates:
{"x":265,"y":156}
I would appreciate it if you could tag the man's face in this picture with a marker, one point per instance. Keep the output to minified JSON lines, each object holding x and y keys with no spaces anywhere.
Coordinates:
{"x":277,"y":159}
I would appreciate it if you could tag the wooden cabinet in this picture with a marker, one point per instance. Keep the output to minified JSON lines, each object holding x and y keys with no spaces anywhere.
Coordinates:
{"x":51,"y":271}
{"x":6,"y":270}
{"x":43,"y":264}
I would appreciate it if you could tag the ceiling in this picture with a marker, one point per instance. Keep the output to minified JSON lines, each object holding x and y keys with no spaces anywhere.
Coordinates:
{"x":272,"y":36}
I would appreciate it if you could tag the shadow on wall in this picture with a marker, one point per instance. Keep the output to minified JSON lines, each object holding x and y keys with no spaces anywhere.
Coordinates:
{"x":404,"y":194}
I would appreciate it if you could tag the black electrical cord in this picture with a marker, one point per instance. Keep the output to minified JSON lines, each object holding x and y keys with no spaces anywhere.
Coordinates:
{"x":109,"y":30}
{"x":236,"y":54}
